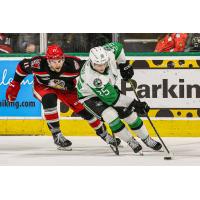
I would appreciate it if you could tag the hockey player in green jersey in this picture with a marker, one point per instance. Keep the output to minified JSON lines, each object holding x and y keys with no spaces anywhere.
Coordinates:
{"x":98,"y":92}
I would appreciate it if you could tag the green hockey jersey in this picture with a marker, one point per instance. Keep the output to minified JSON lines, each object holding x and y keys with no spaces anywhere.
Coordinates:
{"x":93,"y":84}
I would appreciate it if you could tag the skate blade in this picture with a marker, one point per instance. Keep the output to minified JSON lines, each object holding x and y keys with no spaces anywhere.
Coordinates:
{"x":64,"y":148}
{"x":115,"y":150}
{"x":140,"y":153}
{"x":151,"y":150}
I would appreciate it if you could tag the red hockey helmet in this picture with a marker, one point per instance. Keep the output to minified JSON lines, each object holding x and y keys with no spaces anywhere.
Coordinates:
{"x":54,"y":52}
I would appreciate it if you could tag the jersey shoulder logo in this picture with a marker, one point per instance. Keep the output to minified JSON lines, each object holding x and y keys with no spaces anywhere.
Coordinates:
{"x":97,"y":82}
{"x":36,"y":63}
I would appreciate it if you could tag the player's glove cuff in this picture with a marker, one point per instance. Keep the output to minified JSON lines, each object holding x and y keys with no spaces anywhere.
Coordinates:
{"x":126,"y":71}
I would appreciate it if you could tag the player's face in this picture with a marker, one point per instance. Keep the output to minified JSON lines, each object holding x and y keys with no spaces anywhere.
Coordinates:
{"x":56,"y":65}
{"x":100,"y":68}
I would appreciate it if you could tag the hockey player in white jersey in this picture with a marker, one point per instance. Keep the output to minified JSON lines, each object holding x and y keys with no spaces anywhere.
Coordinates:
{"x":98,"y":92}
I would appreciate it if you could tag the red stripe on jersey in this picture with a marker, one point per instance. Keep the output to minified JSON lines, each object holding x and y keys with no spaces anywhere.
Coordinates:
{"x":95,"y":123}
{"x":51,"y":117}
{"x":70,"y":74}
{"x":42,"y":73}
{"x":20,"y":70}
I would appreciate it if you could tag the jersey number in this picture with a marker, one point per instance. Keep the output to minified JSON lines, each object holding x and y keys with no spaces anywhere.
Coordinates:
{"x":103,"y":92}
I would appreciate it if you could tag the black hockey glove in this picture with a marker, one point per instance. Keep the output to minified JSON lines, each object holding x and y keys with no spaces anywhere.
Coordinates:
{"x":126,"y":71}
{"x":140,"y":107}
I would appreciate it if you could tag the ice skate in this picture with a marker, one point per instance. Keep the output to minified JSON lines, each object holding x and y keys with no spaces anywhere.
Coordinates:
{"x":135,"y":145}
{"x":110,"y":140}
{"x":62,"y":143}
{"x":153,"y":144}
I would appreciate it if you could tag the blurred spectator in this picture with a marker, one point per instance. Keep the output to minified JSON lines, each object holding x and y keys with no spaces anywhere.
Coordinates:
{"x":5,"y":44}
{"x":78,"y":42}
{"x":55,"y":38}
{"x":27,"y":43}
{"x":30,"y":48}
{"x":99,"y":39}
{"x":171,"y":42}
{"x":193,"y":43}
{"x":70,"y":42}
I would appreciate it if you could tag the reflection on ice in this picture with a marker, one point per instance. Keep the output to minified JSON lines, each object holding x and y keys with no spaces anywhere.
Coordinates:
{"x":40,"y":150}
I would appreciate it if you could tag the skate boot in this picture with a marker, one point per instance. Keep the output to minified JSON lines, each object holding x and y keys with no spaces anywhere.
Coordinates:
{"x":110,"y":140}
{"x":61,"y":142}
{"x":135,"y":145}
{"x":152,"y":143}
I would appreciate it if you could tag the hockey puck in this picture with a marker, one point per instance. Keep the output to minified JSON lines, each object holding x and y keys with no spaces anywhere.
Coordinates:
{"x":167,"y":158}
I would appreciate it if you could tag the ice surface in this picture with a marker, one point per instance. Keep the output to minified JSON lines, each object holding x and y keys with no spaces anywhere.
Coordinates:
{"x":92,"y":151}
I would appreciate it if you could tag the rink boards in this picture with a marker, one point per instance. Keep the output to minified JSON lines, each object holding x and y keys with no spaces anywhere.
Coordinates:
{"x":166,"y":128}
{"x":170,"y":83}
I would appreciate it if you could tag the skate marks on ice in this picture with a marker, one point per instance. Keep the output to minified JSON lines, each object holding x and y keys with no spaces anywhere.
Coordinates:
{"x":40,"y":150}
{"x":44,"y":146}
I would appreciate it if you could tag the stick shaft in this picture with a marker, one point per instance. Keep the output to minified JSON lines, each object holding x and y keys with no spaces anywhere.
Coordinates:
{"x":146,"y":115}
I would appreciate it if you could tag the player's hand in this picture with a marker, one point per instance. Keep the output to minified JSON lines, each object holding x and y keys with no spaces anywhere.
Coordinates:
{"x":140,"y":107}
{"x":12,"y":91}
{"x":126,"y":71}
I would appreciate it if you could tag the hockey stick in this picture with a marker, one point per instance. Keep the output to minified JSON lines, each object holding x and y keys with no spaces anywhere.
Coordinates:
{"x":168,"y":157}
{"x":115,"y":148}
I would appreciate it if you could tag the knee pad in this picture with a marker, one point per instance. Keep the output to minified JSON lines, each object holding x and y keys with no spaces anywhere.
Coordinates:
{"x":109,"y":115}
{"x":134,"y":121}
{"x":131,"y":118}
{"x":123,"y":112}
{"x":49,"y":101}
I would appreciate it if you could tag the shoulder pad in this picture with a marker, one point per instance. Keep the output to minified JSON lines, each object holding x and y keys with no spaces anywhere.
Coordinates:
{"x":35,"y":62}
{"x":72,"y":65}
{"x":25,"y":63}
